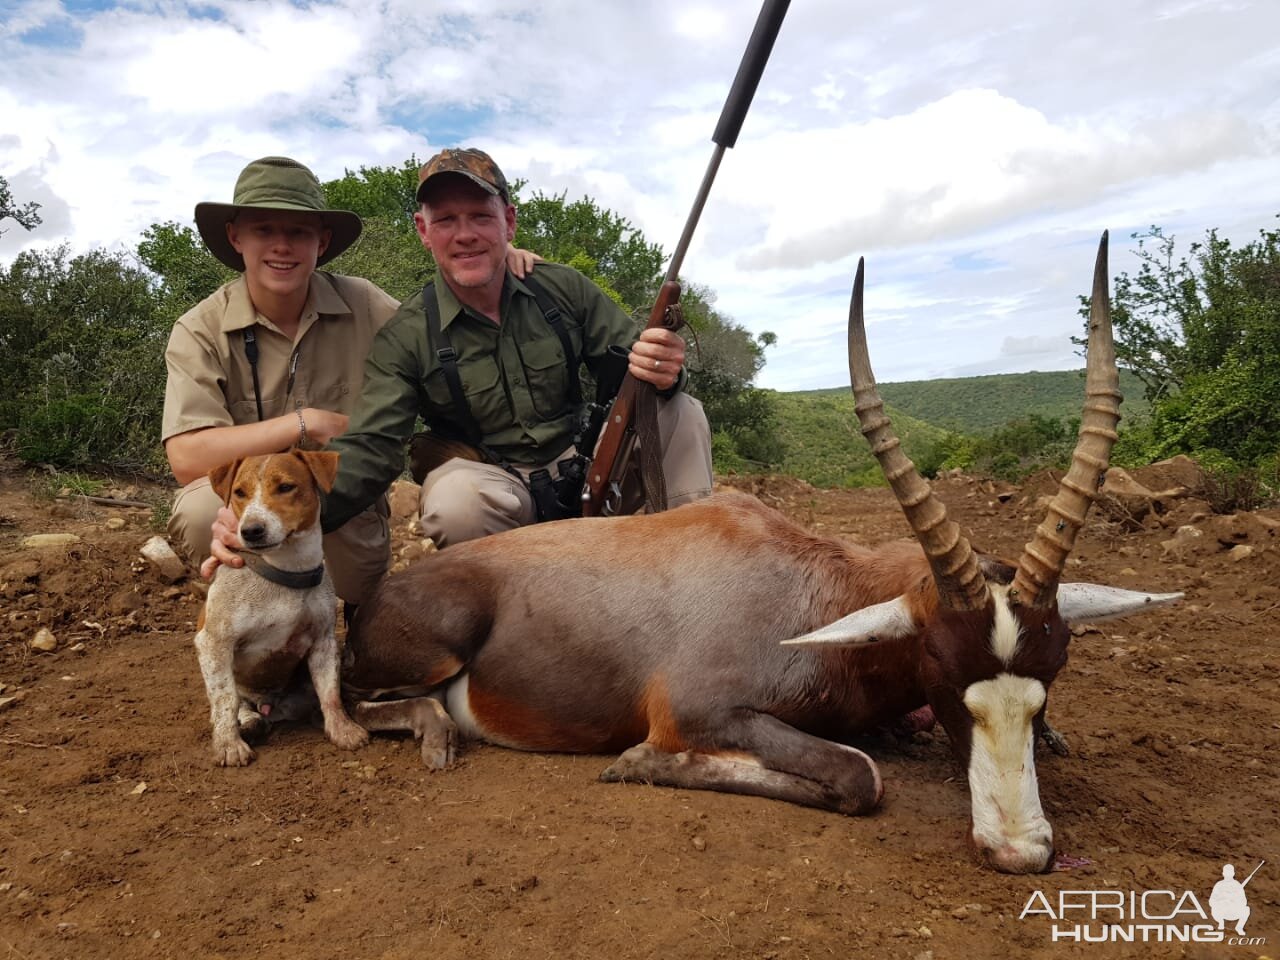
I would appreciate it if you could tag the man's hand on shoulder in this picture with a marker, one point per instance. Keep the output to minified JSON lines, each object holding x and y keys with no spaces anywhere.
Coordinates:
{"x":657,"y":357}
{"x":225,"y":544}
{"x":520,"y":262}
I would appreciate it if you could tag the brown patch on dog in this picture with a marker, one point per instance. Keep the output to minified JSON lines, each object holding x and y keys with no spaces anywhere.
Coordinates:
{"x":222,"y":477}
{"x":322,"y":464}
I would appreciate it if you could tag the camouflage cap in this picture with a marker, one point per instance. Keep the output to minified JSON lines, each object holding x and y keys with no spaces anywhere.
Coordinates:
{"x":476,"y":165}
{"x":274,"y":183}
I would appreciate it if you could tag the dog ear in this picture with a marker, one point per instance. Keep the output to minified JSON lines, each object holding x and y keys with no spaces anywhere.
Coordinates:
{"x":223,"y":477}
{"x":323,"y":465}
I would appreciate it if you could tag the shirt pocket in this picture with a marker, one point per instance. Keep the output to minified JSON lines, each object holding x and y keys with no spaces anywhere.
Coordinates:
{"x":484,"y":392}
{"x":246,"y":411}
{"x":547,"y":376}
{"x":338,"y":397}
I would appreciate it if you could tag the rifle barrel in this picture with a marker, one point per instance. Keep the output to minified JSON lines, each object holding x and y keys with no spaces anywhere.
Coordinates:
{"x":700,"y":201}
{"x":1250,"y":876}
{"x":744,"y":84}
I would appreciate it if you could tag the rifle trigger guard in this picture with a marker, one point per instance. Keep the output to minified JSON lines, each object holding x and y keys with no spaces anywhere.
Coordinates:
{"x":611,"y":505}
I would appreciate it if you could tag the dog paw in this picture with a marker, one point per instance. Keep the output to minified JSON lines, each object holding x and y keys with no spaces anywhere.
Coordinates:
{"x":237,"y":753}
{"x":346,"y":734}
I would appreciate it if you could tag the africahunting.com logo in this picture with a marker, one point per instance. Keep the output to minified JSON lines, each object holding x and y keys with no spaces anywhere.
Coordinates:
{"x":1148,"y":916}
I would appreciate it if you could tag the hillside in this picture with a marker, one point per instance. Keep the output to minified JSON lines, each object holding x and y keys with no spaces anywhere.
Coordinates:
{"x":981,"y":404}
{"x":824,"y":447}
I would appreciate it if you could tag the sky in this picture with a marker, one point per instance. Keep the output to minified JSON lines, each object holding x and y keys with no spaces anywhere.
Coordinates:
{"x":972,"y":152}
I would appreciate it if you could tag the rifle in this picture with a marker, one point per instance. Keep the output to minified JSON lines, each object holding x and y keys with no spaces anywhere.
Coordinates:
{"x":1250,"y":876}
{"x":602,"y":493}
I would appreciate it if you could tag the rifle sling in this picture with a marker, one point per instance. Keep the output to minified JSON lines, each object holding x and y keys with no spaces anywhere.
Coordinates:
{"x":649,"y":446}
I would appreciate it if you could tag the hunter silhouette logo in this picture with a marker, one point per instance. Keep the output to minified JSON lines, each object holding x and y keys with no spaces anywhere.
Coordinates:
{"x":1148,"y":916}
{"x":1228,"y":901}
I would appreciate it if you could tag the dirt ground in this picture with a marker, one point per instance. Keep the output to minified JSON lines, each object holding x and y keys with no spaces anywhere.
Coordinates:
{"x":118,"y":838}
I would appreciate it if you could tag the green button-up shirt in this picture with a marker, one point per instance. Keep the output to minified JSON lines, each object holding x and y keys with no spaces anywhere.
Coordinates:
{"x":514,"y":375}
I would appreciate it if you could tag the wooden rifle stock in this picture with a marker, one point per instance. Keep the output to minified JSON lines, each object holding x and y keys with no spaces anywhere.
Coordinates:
{"x":617,"y":433}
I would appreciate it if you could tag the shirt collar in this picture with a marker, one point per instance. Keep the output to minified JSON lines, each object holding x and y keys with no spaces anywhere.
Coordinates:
{"x":323,"y":299}
{"x":451,"y":307}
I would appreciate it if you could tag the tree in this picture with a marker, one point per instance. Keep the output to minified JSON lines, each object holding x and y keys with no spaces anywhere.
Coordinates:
{"x":1202,"y":331}
{"x":723,"y":362}
{"x":91,"y":344}
{"x":25,"y":215}
{"x":185,"y":268}
{"x":585,"y":235}
{"x":387,"y":192}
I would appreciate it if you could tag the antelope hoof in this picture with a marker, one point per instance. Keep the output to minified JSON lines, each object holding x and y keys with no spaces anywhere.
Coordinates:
{"x":439,"y":735}
{"x":635,"y":764}
{"x":440,"y":747}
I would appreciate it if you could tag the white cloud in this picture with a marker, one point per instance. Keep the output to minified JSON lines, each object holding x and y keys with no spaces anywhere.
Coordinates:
{"x":972,"y":152}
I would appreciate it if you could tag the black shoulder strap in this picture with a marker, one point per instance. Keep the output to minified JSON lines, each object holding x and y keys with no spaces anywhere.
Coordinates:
{"x":438,"y":341}
{"x":251,"y":354}
{"x":552,"y":314}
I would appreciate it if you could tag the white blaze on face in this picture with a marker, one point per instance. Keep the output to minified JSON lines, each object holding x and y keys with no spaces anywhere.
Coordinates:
{"x":260,"y":509}
{"x":1008,"y":821}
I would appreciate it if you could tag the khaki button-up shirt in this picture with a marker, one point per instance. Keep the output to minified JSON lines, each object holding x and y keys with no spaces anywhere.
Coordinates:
{"x":514,"y":375}
{"x":210,"y":380}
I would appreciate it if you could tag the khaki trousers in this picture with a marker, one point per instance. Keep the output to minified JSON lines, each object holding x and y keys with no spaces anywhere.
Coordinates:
{"x":357,"y":553}
{"x":464,"y":500}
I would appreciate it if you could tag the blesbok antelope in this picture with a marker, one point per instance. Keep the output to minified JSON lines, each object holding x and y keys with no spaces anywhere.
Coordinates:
{"x":721,"y":646}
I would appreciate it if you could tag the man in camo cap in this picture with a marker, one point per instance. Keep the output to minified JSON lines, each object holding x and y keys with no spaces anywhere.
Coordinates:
{"x":486,"y":356}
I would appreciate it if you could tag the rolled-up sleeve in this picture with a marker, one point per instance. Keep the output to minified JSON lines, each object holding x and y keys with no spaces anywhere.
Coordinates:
{"x":194,"y":393}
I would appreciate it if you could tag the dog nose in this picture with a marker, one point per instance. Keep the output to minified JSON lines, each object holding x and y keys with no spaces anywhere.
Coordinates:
{"x":253,"y":533}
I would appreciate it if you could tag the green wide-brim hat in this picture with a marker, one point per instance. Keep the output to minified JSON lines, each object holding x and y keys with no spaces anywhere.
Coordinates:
{"x":274,"y":183}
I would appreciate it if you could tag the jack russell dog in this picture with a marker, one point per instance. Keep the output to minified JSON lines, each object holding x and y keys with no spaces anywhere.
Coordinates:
{"x":262,"y":620}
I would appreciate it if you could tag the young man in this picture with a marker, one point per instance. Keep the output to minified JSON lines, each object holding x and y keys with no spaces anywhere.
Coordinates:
{"x":275,"y":357}
{"x":511,"y":390}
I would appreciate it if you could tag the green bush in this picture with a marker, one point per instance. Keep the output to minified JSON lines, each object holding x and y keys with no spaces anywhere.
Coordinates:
{"x":1202,"y":332}
{"x":90,"y":335}
{"x":74,"y":431}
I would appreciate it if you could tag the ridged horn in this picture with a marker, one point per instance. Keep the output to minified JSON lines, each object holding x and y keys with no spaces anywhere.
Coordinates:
{"x":1045,"y":557}
{"x":961,"y":585}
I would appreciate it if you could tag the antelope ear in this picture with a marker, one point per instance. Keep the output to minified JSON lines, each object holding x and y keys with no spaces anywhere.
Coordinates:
{"x":1093,"y":602}
{"x":882,"y":621}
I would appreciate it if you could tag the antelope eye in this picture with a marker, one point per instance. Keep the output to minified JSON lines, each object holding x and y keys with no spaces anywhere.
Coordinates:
{"x":286,"y":488}
{"x":1047,"y":630}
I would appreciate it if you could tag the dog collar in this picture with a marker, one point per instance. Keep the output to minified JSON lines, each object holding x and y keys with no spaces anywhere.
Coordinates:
{"x":295,"y":579}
